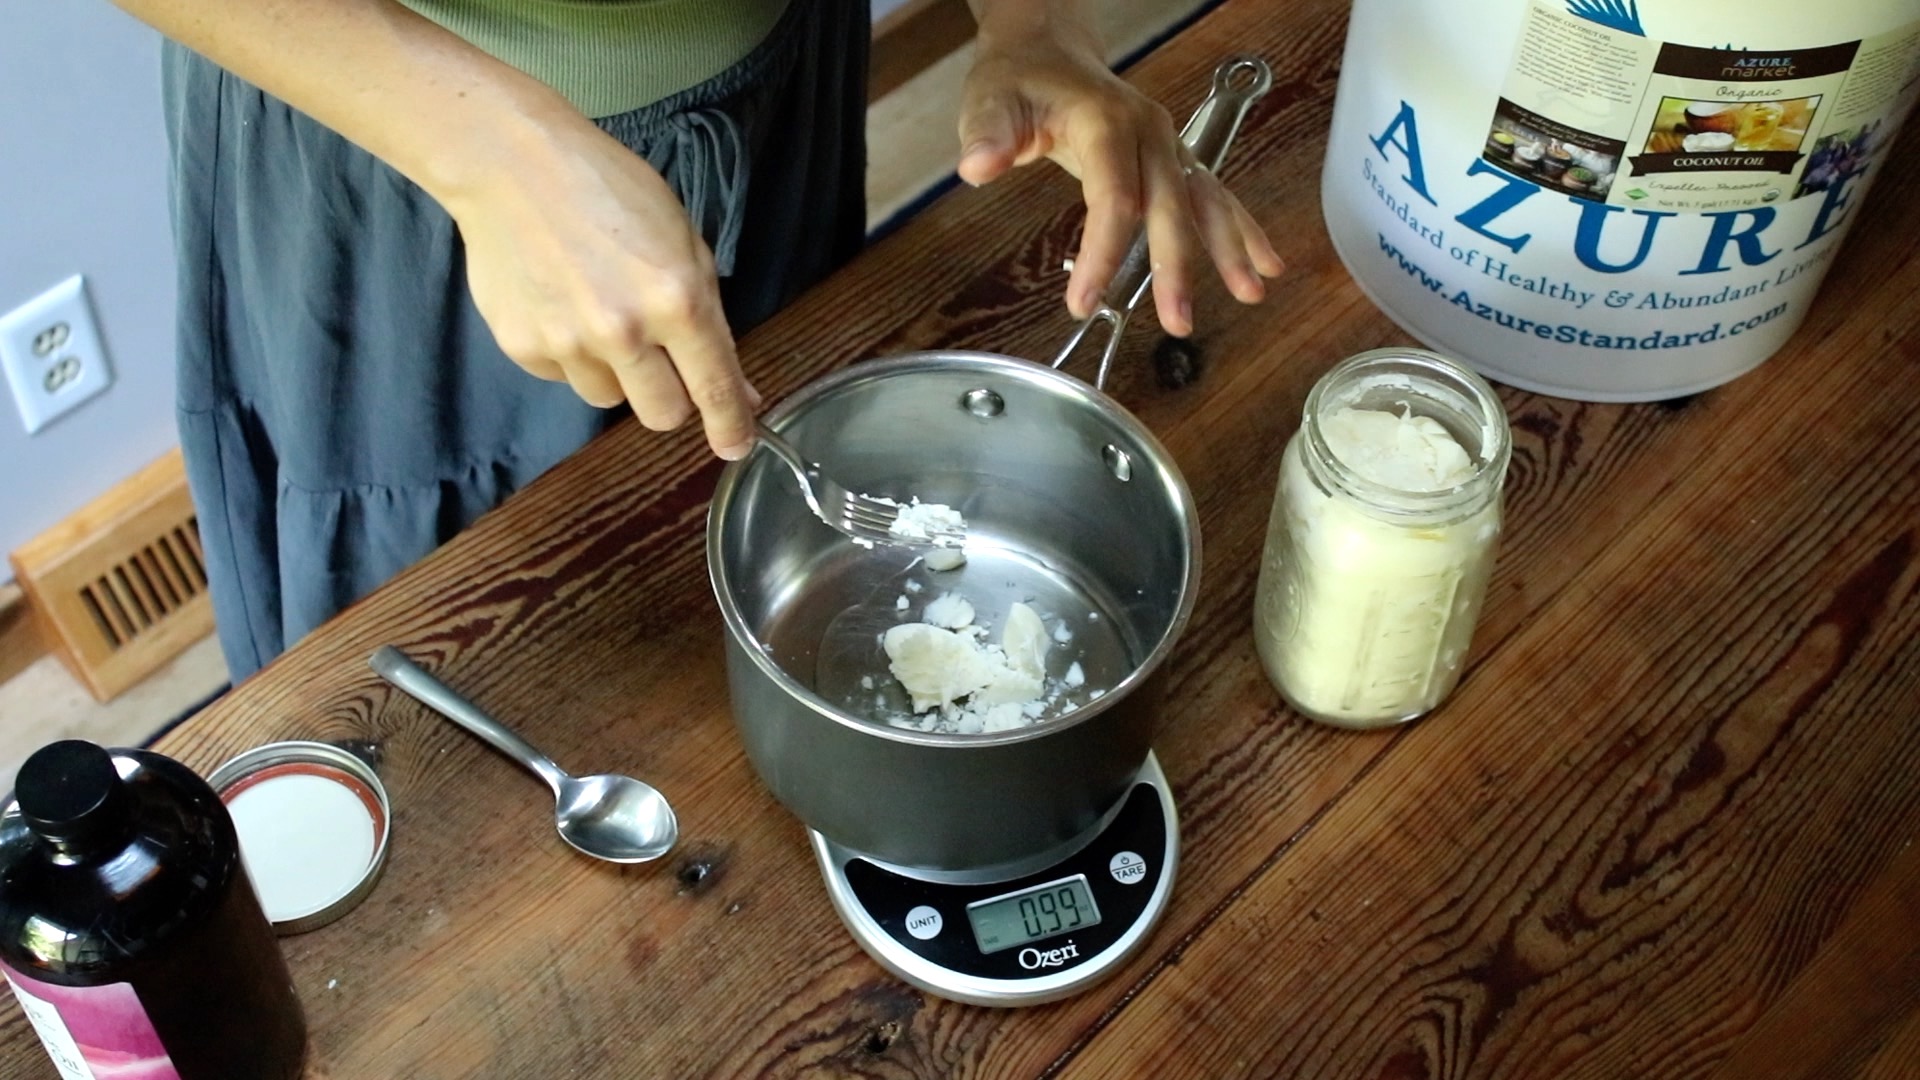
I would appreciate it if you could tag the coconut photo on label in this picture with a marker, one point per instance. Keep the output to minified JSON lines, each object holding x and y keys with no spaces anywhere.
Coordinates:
{"x":1683,"y":126}
{"x":1728,"y":129}
{"x":1558,"y":157}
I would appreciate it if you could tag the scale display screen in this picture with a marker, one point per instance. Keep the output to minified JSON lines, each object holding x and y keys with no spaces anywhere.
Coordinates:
{"x":1005,"y":922}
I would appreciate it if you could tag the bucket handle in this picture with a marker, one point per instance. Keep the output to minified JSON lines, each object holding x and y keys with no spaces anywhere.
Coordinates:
{"x":1237,"y":83}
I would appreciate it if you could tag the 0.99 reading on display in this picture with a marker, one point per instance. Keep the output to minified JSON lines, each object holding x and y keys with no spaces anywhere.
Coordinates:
{"x":1042,"y":911}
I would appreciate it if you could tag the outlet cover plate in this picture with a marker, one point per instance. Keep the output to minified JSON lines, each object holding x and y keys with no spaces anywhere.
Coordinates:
{"x":51,"y":350}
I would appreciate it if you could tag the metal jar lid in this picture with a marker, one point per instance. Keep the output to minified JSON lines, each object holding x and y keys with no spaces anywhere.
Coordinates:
{"x":313,"y":822}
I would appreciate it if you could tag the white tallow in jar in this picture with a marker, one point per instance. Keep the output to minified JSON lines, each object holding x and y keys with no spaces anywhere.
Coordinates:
{"x":1382,"y":538}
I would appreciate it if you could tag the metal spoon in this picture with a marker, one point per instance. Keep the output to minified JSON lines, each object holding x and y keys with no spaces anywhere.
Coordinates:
{"x":616,"y":818}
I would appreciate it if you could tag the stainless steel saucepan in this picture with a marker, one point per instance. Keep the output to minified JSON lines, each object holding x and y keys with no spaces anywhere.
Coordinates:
{"x":1072,"y":506}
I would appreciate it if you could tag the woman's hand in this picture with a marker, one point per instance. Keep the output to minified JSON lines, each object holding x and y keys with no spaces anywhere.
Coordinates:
{"x":1040,"y":87}
{"x":587,"y":269}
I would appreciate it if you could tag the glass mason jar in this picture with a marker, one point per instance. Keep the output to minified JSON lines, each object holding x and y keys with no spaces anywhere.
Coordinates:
{"x":1368,"y":593}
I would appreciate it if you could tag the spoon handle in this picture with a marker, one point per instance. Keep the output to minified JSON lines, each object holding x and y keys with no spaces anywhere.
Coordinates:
{"x":393,"y":666}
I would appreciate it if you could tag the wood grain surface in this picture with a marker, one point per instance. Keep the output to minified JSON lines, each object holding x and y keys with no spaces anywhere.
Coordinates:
{"x":1663,"y":829}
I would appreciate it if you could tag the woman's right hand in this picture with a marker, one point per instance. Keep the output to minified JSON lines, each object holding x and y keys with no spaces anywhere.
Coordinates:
{"x":586,"y":267}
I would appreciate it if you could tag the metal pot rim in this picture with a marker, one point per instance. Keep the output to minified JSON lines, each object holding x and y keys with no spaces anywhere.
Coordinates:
{"x":1162,"y":467}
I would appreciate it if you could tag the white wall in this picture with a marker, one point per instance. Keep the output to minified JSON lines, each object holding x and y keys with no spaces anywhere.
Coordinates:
{"x":83,"y":189}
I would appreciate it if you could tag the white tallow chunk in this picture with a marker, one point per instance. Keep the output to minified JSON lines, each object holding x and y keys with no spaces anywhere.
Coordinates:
{"x":1025,"y":639}
{"x":928,"y":522}
{"x":951,"y":611}
{"x":945,"y":558}
{"x":939,"y":666}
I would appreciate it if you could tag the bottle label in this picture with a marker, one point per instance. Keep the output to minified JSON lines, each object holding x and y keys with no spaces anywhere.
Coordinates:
{"x":93,"y":1032}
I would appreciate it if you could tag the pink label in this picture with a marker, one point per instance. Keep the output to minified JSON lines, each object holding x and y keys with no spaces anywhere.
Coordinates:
{"x":93,"y":1032}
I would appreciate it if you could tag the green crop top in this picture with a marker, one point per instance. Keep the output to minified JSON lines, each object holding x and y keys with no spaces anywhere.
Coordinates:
{"x":611,"y":56}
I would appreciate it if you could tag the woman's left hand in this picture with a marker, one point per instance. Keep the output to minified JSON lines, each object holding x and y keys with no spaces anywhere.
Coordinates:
{"x":1040,"y":87}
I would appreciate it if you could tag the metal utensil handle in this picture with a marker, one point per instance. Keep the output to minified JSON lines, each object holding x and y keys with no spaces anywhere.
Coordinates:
{"x":1237,"y":84}
{"x":393,"y":666}
{"x":803,"y":470}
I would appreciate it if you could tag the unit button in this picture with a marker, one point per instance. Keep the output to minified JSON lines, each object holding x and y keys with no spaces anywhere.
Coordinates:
{"x":1128,"y":868}
{"x":924,"y":922}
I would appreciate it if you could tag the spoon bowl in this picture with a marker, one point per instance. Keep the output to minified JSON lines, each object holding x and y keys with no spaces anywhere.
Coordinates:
{"x":615,"y":818}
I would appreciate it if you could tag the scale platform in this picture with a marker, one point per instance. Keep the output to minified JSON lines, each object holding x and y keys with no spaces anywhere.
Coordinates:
{"x":1023,"y":936}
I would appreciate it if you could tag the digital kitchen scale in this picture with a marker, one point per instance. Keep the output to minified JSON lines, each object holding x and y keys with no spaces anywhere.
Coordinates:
{"x":1025,"y":934}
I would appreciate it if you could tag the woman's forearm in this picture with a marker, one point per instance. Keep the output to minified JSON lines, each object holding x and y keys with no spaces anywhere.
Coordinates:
{"x":437,"y":109}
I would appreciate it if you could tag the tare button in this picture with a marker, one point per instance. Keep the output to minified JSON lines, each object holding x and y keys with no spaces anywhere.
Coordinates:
{"x":1128,"y":868}
{"x":924,"y":922}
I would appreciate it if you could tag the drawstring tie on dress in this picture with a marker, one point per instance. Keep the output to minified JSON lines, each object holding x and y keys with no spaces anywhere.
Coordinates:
{"x":703,"y":157}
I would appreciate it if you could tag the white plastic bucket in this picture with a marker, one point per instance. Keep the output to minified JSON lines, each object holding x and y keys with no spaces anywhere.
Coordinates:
{"x":1600,"y":199}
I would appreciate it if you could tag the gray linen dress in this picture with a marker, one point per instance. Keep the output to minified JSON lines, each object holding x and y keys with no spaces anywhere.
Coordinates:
{"x":343,"y":409}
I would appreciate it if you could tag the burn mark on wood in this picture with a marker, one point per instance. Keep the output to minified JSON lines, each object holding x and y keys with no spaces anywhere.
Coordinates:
{"x":882,"y":1037}
{"x":1177,"y":362}
{"x":371,"y":751}
{"x":700,"y":869}
{"x":888,"y":1010}
{"x":694,"y":873}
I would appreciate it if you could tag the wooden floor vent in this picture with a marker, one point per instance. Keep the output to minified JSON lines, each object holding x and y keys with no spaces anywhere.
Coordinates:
{"x":120,"y":588}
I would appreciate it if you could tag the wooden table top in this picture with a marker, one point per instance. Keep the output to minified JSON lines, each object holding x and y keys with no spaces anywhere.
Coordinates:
{"x":1663,"y":829}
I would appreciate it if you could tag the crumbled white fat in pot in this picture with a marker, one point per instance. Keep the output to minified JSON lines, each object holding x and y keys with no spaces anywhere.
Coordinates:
{"x":951,"y":611}
{"x":927,"y":522}
{"x":945,"y":558}
{"x":1025,"y":641}
{"x":936,"y":665}
{"x":966,"y":684}
{"x":1397,"y":450}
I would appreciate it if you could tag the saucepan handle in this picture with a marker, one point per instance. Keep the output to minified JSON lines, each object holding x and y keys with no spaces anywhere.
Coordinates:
{"x":1237,"y":84}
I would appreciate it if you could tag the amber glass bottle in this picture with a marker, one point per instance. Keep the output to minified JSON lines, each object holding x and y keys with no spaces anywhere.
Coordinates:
{"x":128,"y":929}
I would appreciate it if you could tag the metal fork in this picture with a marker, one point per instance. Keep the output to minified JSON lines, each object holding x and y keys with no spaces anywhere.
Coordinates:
{"x":863,"y":518}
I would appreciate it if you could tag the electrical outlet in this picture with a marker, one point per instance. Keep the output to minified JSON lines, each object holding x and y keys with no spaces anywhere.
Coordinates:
{"x":52,"y":354}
